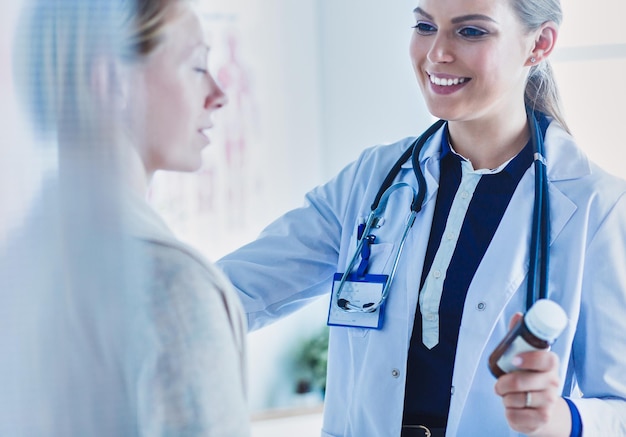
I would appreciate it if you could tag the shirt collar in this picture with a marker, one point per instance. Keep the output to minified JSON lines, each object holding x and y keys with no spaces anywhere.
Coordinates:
{"x":565,"y":159}
{"x":515,"y":167}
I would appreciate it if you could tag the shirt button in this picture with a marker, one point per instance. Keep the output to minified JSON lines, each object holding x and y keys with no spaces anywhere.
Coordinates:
{"x":450,"y":236}
{"x":464,"y":194}
{"x":395,"y":373}
{"x":481,"y":306}
{"x":437,"y":274}
{"x":430,"y":317}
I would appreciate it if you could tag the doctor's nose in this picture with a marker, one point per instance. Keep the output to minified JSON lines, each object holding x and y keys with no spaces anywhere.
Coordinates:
{"x":441,"y":50}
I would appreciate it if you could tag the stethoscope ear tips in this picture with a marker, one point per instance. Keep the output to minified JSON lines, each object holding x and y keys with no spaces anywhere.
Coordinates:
{"x":345,"y":305}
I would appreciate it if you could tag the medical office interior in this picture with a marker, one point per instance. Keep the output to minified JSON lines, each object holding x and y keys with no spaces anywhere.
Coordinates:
{"x":310,"y":84}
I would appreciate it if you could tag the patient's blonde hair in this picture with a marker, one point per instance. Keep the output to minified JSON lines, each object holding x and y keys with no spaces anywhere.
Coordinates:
{"x":60,"y":42}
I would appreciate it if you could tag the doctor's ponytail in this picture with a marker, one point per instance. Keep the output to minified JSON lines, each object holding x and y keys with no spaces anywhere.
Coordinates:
{"x":541,"y":92}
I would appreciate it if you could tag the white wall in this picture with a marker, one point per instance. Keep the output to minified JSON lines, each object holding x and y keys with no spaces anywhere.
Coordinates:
{"x":369,"y":92}
{"x":590,"y":62}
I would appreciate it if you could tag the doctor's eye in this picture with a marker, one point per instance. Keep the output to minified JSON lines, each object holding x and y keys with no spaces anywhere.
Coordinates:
{"x":472,"y":32}
{"x":424,"y":28}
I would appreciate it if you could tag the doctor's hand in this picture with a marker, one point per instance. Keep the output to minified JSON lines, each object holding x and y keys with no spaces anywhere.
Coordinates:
{"x":531,"y":395}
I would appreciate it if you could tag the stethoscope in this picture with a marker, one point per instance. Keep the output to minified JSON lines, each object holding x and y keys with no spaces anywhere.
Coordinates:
{"x":540,"y":233}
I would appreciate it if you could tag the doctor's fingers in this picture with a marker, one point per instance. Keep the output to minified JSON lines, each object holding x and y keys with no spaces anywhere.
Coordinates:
{"x":527,"y":381}
{"x":516,"y":318}
{"x":528,"y":420}
{"x":530,"y":399}
{"x":539,"y":361}
{"x":530,"y":412}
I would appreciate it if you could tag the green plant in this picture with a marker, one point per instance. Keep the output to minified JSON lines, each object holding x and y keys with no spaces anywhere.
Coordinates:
{"x":310,"y":359}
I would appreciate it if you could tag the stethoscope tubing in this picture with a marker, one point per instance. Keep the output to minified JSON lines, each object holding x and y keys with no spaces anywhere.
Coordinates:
{"x":412,"y":152}
{"x":539,"y":262}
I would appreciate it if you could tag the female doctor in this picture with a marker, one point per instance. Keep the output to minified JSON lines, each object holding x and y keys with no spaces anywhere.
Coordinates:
{"x":419,"y":359}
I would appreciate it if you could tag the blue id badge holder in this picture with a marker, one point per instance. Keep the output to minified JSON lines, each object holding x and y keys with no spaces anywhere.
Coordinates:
{"x":358,"y":300}
{"x":357,"y":295}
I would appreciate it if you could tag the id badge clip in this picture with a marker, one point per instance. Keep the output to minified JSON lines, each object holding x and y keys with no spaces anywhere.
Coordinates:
{"x":360,"y":303}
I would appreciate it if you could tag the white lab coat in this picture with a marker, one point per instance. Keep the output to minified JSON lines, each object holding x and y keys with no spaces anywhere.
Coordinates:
{"x":294,"y":259}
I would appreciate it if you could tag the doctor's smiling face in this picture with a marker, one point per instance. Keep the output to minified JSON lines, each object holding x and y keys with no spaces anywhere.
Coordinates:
{"x":172,"y":95}
{"x":471,"y":57}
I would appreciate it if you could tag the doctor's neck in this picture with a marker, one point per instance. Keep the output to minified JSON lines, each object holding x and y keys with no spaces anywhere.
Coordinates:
{"x":489,"y":142}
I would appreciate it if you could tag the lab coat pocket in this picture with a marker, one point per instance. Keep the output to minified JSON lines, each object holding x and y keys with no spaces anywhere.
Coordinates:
{"x":379,"y":259}
{"x":379,"y":264}
{"x":358,"y":332}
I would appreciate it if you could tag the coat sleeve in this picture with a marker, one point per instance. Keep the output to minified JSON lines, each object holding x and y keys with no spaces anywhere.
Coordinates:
{"x":599,"y":350}
{"x":294,"y":258}
{"x":192,"y":377}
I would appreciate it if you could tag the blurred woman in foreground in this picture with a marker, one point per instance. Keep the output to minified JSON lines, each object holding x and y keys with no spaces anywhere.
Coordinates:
{"x":123,"y":329}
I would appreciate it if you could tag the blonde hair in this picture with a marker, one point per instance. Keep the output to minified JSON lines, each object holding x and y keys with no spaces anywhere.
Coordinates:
{"x":59,"y":43}
{"x":541,"y":93}
{"x":150,"y":17}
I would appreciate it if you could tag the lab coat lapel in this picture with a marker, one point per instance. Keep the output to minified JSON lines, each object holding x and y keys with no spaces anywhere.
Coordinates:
{"x":418,"y":238}
{"x":429,"y":161}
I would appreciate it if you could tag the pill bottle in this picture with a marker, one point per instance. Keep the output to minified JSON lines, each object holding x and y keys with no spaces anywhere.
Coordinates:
{"x":537,"y":330}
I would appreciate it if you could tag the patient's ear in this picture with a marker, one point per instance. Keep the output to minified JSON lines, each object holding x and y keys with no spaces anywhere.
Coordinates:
{"x":109,"y":83}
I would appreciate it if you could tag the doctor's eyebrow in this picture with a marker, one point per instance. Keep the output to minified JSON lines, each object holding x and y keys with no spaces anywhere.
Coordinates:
{"x":421,"y":11}
{"x":456,"y":20}
{"x":472,"y":17}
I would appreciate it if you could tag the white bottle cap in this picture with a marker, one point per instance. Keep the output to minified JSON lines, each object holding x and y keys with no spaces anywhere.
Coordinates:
{"x":546,"y":319}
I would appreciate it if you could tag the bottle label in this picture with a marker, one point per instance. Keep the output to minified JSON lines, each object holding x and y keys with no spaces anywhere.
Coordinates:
{"x":518,"y":346}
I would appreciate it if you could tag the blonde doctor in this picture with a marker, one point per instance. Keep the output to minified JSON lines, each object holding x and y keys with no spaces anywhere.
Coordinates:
{"x":417,"y":364}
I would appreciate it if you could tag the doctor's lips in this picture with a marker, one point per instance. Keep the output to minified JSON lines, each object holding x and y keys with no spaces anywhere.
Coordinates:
{"x":446,"y":80}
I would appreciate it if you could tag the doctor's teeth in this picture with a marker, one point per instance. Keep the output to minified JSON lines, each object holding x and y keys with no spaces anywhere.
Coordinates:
{"x":446,"y":82}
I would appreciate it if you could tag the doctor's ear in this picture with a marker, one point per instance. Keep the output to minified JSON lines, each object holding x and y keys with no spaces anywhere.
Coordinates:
{"x":109,"y":84}
{"x":545,"y":41}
